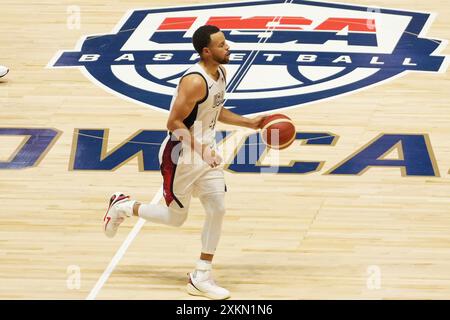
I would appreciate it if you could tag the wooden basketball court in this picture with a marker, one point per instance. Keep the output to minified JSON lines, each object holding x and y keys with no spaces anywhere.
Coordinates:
{"x":379,"y":234}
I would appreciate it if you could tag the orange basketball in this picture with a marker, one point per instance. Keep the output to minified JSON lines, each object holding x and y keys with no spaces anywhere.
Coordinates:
{"x":278,"y":131}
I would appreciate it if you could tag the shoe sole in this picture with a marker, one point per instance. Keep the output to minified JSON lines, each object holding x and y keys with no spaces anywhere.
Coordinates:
{"x":195,"y":292}
{"x":5,"y":73}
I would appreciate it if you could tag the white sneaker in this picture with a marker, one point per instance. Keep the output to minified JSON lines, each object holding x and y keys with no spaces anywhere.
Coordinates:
{"x":201,"y":283}
{"x":3,"y":71}
{"x":119,"y":208}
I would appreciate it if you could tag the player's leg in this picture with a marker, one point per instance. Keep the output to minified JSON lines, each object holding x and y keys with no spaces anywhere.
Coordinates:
{"x":211,"y":191}
{"x":3,"y":71}
{"x":177,"y":187}
{"x":214,"y":206}
{"x":121,"y":206}
{"x":172,"y":215}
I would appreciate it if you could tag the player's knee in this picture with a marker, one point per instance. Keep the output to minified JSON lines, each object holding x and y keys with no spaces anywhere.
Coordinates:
{"x":177,"y":217}
{"x":214,"y":204}
{"x":178,"y":220}
{"x":220,"y":210}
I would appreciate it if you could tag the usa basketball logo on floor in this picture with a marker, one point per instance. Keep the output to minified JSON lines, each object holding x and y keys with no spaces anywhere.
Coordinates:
{"x":284,"y":53}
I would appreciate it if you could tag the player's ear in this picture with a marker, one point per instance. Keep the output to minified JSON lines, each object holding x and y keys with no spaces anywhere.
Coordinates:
{"x":206,"y":50}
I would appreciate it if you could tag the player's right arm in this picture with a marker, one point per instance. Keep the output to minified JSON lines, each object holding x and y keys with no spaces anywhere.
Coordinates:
{"x":191,"y":89}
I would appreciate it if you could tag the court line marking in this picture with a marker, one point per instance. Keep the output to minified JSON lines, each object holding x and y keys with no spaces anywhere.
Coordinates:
{"x":121,"y":251}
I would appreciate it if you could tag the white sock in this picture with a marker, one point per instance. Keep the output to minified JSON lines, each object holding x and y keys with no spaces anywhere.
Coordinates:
{"x":202,"y":268}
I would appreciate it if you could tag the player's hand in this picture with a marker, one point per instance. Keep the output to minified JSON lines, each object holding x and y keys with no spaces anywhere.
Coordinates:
{"x":211,"y":157}
{"x":256,"y":123}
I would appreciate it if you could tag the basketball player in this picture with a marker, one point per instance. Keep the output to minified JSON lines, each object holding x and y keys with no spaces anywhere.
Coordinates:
{"x":189,"y":158}
{"x":3,"y":71}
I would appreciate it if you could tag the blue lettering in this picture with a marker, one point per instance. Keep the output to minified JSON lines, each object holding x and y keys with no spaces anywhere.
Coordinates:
{"x":33,"y":149}
{"x":415,"y":159}
{"x":249,"y":155}
{"x":91,"y":145}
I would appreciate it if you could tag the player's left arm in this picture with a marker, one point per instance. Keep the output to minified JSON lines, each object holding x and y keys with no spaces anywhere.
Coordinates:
{"x":229,"y":117}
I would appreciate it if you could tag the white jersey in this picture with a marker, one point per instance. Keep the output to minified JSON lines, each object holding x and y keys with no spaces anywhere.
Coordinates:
{"x":202,"y":120}
{"x":182,"y":177}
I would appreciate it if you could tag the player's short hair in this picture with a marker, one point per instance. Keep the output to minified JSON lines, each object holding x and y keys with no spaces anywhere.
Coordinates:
{"x":202,"y":37}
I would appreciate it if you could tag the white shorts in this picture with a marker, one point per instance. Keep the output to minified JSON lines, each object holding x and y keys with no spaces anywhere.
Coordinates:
{"x":182,"y":180}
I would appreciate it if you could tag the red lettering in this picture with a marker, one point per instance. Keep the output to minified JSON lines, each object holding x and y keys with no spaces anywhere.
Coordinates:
{"x":239,"y":23}
{"x":337,"y":24}
{"x":273,"y":23}
{"x":293,"y":23}
{"x":183,"y":23}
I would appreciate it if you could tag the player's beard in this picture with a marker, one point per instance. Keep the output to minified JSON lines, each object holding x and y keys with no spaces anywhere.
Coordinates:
{"x":223,"y":60}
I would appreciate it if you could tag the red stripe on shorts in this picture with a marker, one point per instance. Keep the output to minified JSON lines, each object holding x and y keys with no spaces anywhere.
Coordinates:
{"x":168,"y":169}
